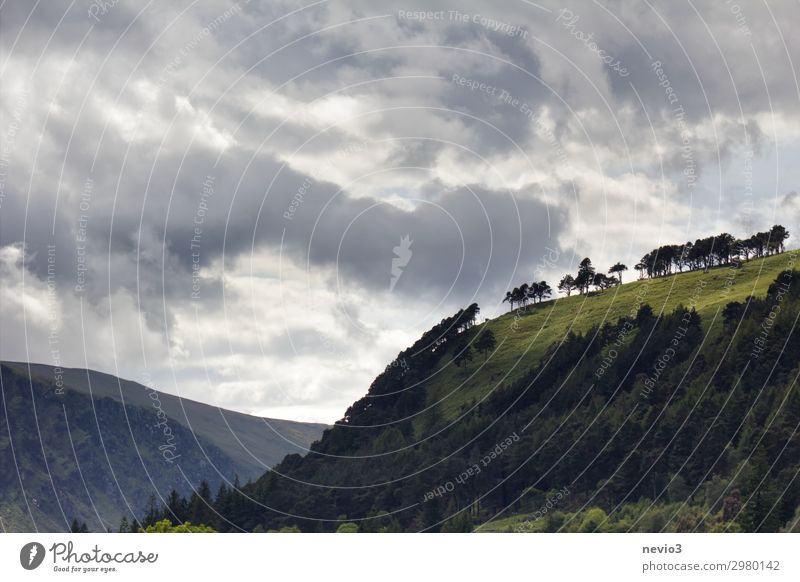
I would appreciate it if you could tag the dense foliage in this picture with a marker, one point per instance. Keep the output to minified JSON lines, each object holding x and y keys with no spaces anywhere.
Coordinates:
{"x":164,"y":526}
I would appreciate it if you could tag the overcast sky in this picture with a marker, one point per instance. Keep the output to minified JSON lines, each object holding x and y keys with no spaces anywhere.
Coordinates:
{"x":211,"y":194}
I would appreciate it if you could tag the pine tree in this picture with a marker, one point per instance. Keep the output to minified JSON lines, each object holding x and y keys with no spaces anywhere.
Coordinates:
{"x":486,"y":342}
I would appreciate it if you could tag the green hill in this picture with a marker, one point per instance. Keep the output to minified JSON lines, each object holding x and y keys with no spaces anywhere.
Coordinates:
{"x":524,"y":335}
{"x":668,"y":404}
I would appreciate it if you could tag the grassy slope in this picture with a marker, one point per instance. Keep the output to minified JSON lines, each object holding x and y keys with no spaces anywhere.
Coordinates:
{"x":523,"y":338}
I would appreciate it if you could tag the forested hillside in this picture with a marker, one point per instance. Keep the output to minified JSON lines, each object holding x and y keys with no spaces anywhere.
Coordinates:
{"x":667,"y":404}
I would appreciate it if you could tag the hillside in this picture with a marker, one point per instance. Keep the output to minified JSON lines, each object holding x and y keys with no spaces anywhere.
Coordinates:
{"x":662,"y":404}
{"x":524,"y":335}
{"x":100,"y":449}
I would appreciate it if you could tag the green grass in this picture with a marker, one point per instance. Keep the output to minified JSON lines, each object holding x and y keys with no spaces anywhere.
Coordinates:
{"x":524,"y":336}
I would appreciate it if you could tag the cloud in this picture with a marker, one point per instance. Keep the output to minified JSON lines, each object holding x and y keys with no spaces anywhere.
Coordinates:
{"x":273,"y":156}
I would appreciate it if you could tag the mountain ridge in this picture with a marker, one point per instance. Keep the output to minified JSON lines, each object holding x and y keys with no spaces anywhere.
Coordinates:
{"x":96,"y":447}
{"x":193,"y":414}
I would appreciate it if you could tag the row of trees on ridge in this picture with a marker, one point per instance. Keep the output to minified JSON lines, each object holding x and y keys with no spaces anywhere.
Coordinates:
{"x":704,"y":253}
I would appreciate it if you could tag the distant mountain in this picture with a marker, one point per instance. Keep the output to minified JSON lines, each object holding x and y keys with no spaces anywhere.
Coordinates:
{"x":80,"y":444}
{"x":665,"y":404}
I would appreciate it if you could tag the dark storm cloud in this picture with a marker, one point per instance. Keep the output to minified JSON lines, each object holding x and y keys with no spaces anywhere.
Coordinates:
{"x":460,"y":236}
{"x":469,"y":241}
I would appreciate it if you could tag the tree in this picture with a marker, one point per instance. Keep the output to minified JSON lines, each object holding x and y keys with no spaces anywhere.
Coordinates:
{"x":742,"y":248}
{"x":617,"y":270}
{"x":153,"y":514}
{"x":732,"y":312}
{"x":645,"y":312}
{"x":509,"y":298}
{"x":701,"y":254}
{"x":520,"y":294}
{"x":723,"y":247}
{"x":486,"y":342}
{"x":777,"y":235}
{"x":199,"y":508}
{"x":585,"y":276}
{"x":594,"y":520}
{"x":759,"y":514}
{"x":661,"y":260}
{"x":517,"y":295}
{"x":681,"y":258}
{"x":541,"y":290}
{"x":176,"y":506}
{"x":76,"y":527}
{"x":347,"y":528}
{"x":463,"y":354}
{"x":731,"y":506}
{"x":602,"y":281}
{"x":567,"y":284}
{"x":756,"y":244}
{"x":466,"y":318}
{"x":524,"y":294}
{"x":533,"y":291}
{"x":456,"y":521}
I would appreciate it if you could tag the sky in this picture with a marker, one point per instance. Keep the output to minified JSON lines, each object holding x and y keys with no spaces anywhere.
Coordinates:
{"x":259,"y":204}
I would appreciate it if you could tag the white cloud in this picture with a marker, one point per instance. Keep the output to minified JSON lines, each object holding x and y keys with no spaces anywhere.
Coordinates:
{"x":383,"y":121}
